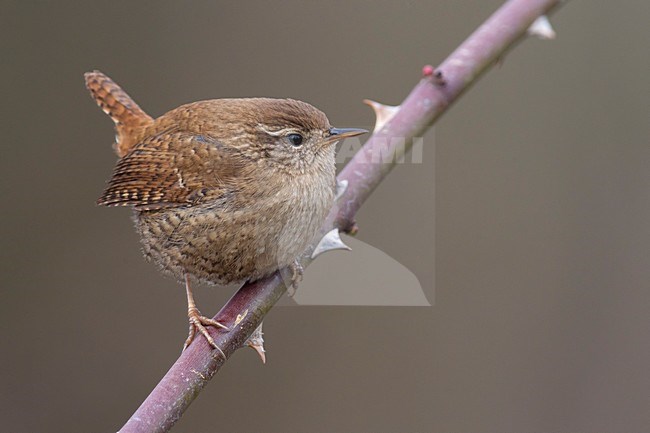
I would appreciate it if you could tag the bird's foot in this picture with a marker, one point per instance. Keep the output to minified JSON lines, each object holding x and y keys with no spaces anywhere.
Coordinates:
{"x":198,"y":323}
{"x":297,"y":272}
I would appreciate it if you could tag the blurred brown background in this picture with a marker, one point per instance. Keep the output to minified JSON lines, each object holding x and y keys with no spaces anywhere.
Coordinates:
{"x":541,"y":320}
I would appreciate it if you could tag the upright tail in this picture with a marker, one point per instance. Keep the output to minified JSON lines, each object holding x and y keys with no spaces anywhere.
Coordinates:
{"x":130,"y":120}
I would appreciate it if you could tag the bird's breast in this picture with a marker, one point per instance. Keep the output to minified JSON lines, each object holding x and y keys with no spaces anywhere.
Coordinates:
{"x":245,"y":237}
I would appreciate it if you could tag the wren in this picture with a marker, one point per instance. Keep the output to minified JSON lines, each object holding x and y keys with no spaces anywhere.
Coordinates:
{"x":223,"y":190}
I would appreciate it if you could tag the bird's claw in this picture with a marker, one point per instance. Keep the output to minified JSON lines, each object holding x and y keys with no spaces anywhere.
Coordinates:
{"x":198,"y":323}
{"x":297,"y":272}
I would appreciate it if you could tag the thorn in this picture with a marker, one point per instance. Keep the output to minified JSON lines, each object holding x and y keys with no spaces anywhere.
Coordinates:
{"x":428,"y":70}
{"x":341,"y":186}
{"x":383,"y":113}
{"x":542,"y":28}
{"x":439,"y":79}
{"x":331,"y":241}
{"x":256,"y":342}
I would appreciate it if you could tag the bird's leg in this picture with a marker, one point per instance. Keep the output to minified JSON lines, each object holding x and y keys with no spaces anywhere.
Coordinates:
{"x":197,"y":321}
{"x":297,"y":272}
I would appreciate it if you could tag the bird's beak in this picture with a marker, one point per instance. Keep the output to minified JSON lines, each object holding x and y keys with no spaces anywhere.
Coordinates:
{"x":337,"y":134}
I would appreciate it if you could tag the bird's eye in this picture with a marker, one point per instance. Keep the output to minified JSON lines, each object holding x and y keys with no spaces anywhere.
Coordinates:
{"x":295,"y":139}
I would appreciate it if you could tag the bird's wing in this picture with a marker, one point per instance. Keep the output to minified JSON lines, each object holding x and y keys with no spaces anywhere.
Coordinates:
{"x":174,"y":169}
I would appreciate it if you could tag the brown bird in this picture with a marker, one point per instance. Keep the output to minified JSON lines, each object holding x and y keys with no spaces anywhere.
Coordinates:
{"x":223,"y":190}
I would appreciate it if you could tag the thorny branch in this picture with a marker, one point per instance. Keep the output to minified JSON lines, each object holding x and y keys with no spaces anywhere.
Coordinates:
{"x":431,"y":97}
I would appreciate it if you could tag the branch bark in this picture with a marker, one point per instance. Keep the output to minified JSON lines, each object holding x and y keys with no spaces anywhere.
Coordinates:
{"x":426,"y":102}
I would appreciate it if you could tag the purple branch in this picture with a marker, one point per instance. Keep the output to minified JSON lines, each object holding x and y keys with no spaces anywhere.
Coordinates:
{"x":427,"y":101}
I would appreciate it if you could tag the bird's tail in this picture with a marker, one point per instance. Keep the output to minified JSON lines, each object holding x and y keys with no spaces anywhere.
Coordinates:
{"x":130,"y":120}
